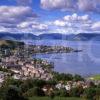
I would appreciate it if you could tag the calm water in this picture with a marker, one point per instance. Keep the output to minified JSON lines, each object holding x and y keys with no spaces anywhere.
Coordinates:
{"x":85,"y":63}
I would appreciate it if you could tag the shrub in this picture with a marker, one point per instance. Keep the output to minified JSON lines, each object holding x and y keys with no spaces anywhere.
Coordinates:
{"x":57,"y":92}
{"x":13,"y":93}
{"x":90,"y":93}
{"x":77,"y":92}
{"x":78,"y":78}
{"x":36,"y":91}
{"x":63,"y":92}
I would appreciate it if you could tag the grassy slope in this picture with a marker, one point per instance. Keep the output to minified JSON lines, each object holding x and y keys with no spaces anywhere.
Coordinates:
{"x":56,"y":98}
{"x":96,"y":77}
{"x":10,"y":43}
{"x":3,"y":42}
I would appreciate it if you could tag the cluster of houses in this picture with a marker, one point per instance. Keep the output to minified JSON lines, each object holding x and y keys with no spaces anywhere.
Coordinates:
{"x":23,"y":68}
{"x":69,"y":85}
{"x":3,"y":75}
{"x":33,"y":68}
{"x":73,"y":84}
{"x":48,"y":49}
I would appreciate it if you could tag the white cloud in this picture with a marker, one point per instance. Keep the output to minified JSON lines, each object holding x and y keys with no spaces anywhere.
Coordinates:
{"x":86,"y":5}
{"x":75,"y":17}
{"x":20,"y":19}
{"x":23,"y":25}
{"x":59,"y":23}
{"x":40,"y":27}
{"x":3,"y":29}
{"x":15,"y":14}
{"x":85,"y":18}
{"x":57,"y":4}
{"x":81,"y":5}
{"x":96,"y":26}
{"x":77,"y":24}
{"x":13,"y":18}
{"x":73,"y":20}
{"x":26,"y":24}
{"x":89,"y":5}
{"x":73,"y":24}
{"x":33,"y":25}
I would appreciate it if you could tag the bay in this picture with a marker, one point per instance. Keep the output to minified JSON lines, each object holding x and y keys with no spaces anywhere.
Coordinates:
{"x":84,"y":63}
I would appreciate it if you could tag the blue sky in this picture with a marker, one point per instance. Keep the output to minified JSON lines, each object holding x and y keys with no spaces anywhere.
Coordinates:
{"x":50,"y":16}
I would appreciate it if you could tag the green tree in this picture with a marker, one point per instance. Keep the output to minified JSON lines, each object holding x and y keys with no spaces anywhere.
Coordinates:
{"x":39,"y":83}
{"x":92,"y":85}
{"x":63,"y":92}
{"x":31,"y":83}
{"x":8,"y":82}
{"x":13,"y":93}
{"x":76,"y":92}
{"x":51,"y":82}
{"x":90,"y":93}
{"x":97,"y":97}
{"x":51,"y":94}
{"x":26,"y":85}
{"x":62,"y":76}
{"x":36,"y":91}
{"x":78,"y":78}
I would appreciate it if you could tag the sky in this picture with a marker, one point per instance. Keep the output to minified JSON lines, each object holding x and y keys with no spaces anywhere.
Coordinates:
{"x":50,"y":16}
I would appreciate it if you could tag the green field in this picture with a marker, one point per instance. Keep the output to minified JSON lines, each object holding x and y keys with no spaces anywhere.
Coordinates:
{"x":56,"y":98}
{"x":96,"y":77}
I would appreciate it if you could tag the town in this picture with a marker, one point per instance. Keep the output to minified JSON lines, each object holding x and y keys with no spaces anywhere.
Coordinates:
{"x":17,"y":61}
{"x":17,"y":64}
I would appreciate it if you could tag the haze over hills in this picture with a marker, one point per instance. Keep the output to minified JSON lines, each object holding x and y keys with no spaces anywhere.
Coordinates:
{"x":56,"y":36}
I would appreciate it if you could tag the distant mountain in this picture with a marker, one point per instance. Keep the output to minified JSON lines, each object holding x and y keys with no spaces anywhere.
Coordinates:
{"x":17,"y":36}
{"x":70,"y":37}
{"x":87,"y":36}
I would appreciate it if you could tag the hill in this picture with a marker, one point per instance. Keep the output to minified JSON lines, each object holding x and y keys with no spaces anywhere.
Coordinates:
{"x":57,"y":36}
{"x":17,"y":36}
{"x":96,"y":77}
{"x":10,"y":43}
